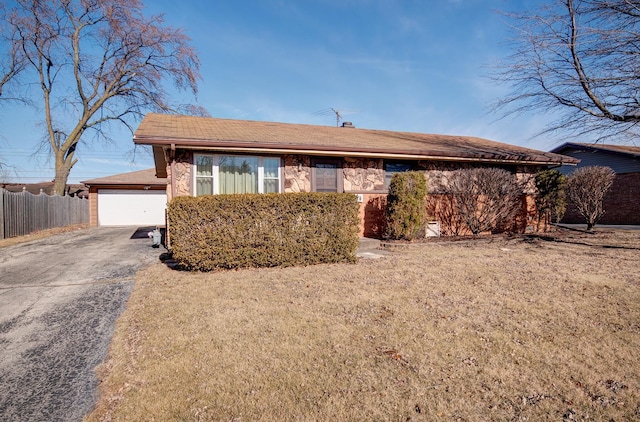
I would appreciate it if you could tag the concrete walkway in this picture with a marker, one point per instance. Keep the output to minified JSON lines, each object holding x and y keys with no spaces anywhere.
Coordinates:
{"x":370,"y":249}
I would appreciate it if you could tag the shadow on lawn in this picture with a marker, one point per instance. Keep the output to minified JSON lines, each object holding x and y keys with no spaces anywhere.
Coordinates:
{"x":167,"y":259}
{"x":531,"y":238}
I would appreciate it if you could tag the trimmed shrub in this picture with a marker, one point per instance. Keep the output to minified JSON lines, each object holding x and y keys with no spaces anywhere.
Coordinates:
{"x":263,"y":230}
{"x":406,"y":205}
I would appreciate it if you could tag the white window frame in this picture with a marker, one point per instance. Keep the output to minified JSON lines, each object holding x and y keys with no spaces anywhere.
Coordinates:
{"x":215,"y":171}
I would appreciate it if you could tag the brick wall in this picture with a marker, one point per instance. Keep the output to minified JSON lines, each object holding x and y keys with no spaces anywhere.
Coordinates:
{"x":93,"y":206}
{"x":372,"y":215}
{"x":440,"y":207}
{"x":621,"y":204}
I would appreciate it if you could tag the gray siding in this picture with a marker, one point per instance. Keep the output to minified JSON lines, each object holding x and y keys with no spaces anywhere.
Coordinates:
{"x":618,"y":162}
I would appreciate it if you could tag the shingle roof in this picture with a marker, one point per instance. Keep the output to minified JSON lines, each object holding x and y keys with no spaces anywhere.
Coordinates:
{"x":244,"y":135}
{"x":140,"y":177}
{"x":622,"y":149}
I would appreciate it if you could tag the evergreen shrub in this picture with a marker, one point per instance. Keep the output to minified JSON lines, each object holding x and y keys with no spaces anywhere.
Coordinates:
{"x":263,"y":230}
{"x":406,"y":206}
{"x":551,"y":199}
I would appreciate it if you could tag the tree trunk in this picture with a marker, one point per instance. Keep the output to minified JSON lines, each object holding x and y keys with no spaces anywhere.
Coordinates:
{"x":62,"y":174}
{"x":64,"y":154}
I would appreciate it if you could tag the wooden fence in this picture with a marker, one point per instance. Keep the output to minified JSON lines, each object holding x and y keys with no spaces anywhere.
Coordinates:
{"x":22,"y":213}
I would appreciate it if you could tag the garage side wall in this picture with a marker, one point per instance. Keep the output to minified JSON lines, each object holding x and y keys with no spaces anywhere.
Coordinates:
{"x":93,"y":206}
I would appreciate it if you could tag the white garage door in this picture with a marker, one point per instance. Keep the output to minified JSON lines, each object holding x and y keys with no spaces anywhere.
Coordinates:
{"x":131,"y":207}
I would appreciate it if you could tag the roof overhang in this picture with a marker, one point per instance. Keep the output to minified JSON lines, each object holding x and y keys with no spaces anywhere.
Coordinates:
{"x":142,"y":178}
{"x":160,"y":161}
{"x":597,"y":147}
{"x":160,"y":145}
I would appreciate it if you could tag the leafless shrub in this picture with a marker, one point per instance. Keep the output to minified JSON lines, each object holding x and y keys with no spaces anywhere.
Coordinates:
{"x":586,"y":188}
{"x":484,"y":198}
{"x":441,"y":207}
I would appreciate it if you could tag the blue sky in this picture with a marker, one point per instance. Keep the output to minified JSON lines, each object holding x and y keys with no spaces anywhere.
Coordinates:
{"x":417,"y":66}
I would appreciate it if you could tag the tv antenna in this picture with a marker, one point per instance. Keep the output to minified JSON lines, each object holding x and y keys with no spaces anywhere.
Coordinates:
{"x":333,"y":111}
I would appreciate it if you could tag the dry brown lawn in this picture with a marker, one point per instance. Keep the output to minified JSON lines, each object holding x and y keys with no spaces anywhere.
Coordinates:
{"x":492,"y":329}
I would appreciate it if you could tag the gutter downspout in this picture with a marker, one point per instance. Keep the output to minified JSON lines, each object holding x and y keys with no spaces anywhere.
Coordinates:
{"x":172,"y":155}
{"x":167,"y":235}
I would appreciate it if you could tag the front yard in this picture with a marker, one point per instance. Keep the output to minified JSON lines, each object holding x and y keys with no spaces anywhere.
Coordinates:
{"x":492,"y":329}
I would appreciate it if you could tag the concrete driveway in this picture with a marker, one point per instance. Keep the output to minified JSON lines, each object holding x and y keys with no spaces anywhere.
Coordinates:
{"x":59,"y":299}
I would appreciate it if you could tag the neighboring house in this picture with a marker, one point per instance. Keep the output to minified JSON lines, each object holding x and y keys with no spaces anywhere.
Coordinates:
{"x":137,"y":198}
{"x":200,"y":155}
{"x":622,"y":202}
{"x":46,"y":188}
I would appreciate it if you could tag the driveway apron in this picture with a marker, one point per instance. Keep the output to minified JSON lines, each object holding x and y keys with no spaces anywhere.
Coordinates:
{"x":59,"y":299}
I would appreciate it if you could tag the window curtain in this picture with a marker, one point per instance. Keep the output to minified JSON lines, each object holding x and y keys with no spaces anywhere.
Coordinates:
{"x":204,"y":175}
{"x":238,"y":174}
{"x":326,"y":177}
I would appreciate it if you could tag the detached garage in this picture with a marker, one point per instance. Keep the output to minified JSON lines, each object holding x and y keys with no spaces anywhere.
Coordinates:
{"x":137,"y":198}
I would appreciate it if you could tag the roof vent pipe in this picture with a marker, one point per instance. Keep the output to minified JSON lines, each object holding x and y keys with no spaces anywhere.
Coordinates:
{"x":347,"y":124}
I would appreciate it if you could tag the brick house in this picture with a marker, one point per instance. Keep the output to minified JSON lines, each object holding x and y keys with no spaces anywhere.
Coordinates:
{"x":200,"y":155}
{"x":622,"y":202}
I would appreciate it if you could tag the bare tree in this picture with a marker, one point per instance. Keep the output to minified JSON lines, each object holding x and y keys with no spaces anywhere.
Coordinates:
{"x":5,"y":175}
{"x":12,"y":62}
{"x":586,"y":188}
{"x":96,"y":62}
{"x":578,"y":60}
{"x":485,"y":198}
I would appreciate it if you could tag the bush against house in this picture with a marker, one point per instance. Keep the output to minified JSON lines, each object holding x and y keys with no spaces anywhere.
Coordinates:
{"x":550,"y":198}
{"x":263,"y":230}
{"x":586,"y":188}
{"x":486,"y":199}
{"x":406,"y":213}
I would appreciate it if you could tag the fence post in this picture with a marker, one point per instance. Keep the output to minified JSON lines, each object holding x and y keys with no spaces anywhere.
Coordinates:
{"x":2,"y":213}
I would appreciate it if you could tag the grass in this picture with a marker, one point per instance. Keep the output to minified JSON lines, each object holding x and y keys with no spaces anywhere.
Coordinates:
{"x":494,"y":329}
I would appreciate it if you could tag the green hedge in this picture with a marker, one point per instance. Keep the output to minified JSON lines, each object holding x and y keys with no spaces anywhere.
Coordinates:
{"x":263,"y":230}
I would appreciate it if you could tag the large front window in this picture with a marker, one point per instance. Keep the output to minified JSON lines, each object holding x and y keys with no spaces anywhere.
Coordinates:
{"x":216,"y":174}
